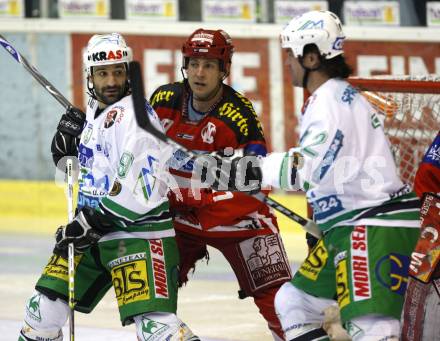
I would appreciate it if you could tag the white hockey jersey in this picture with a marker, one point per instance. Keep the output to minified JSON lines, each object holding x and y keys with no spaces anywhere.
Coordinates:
{"x":348,"y":170}
{"x":123,"y":171}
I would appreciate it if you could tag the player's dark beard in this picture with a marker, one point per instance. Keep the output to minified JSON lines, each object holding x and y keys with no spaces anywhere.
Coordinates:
{"x":110,"y":100}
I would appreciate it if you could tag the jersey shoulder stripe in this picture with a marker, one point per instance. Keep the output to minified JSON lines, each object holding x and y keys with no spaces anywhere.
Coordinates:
{"x":168,"y":95}
{"x":237,"y":112}
{"x":129,"y":215}
{"x":403,"y":208}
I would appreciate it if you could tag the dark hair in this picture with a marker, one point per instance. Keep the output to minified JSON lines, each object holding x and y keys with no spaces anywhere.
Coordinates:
{"x":335,"y":67}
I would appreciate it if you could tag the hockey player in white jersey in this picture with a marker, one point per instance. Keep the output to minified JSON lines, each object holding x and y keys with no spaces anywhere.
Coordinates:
{"x":368,"y":217}
{"x":122,"y":232}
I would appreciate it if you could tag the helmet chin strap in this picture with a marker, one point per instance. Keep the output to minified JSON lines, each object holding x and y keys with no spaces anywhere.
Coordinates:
{"x":307,"y":71}
{"x":91,"y":90}
{"x":183,"y":73}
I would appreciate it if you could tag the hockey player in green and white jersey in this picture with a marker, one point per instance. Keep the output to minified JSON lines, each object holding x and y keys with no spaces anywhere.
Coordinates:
{"x":122,"y":232}
{"x":368,"y":217}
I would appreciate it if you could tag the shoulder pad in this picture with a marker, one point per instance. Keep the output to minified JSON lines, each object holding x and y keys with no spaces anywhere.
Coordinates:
{"x":167,"y":95}
{"x":239,"y":114}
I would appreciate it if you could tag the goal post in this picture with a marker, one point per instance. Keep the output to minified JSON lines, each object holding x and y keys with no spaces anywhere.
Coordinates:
{"x":410,"y":107}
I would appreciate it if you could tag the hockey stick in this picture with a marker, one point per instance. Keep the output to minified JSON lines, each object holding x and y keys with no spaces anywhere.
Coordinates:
{"x":34,"y":72}
{"x":137,"y":88}
{"x":71,"y":253}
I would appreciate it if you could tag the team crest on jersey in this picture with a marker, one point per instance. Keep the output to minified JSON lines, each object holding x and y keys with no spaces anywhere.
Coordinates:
{"x":208,"y":133}
{"x":110,"y":118}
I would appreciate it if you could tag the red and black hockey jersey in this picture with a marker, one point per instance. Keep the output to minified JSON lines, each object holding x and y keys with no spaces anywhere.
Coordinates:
{"x":428,"y":175}
{"x":231,"y":122}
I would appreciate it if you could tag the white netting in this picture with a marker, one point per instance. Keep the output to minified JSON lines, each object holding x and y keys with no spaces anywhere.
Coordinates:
{"x":412,"y":115}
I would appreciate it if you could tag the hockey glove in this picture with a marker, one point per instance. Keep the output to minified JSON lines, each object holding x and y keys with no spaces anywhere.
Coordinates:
{"x":66,"y":139}
{"x":246,"y":175}
{"x":85,"y":229}
{"x":236,"y":172}
{"x":311,"y":241}
{"x":72,"y":122}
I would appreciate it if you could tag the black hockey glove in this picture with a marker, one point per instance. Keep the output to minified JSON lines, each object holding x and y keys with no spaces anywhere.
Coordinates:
{"x":226,"y":172}
{"x":86,"y":229}
{"x":63,"y":145}
{"x":311,"y":241}
{"x":66,"y":139}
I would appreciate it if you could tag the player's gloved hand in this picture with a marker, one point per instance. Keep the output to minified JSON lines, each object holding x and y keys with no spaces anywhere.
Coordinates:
{"x":66,"y":139}
{"x":86,"y":229}
{"x":311,"y":241}
{"x":72,"y":122}
{"x":232,"y":171}
{"x":250,"y":167}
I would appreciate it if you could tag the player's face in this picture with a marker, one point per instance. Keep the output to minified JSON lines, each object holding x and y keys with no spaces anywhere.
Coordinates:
{"x":109,"y":82}
{"x":295,"y":68}
{"x":204,"y":77}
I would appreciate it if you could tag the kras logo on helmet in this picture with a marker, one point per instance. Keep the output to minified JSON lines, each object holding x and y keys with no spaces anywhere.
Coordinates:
{"x":109,"y":55}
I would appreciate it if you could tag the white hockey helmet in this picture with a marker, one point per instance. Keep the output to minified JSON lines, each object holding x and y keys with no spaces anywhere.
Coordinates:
{"x":106,"y":49}
{"x":322,"y":28}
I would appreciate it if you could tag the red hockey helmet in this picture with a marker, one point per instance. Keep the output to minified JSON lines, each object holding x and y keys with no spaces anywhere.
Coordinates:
{"x":208,"y":44}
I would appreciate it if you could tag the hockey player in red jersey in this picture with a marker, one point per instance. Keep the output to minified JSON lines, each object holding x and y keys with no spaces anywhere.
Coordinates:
{"x":206,"y":115}
{"x":422,"y":300}
{"x":428,"y":175}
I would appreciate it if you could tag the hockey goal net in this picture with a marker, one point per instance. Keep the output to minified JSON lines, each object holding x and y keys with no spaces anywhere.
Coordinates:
{"x":411,"y":109}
